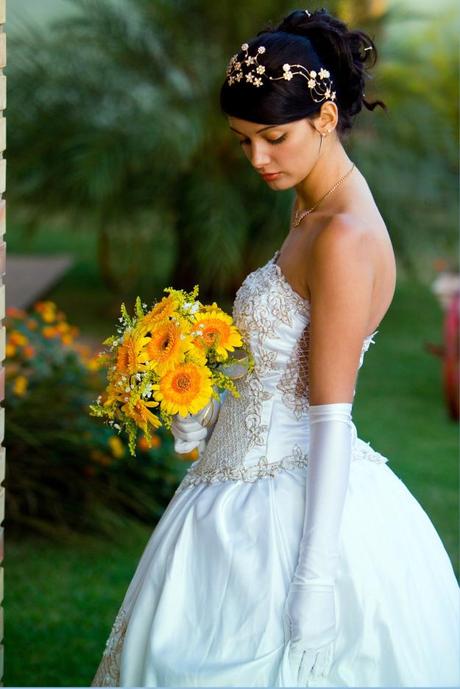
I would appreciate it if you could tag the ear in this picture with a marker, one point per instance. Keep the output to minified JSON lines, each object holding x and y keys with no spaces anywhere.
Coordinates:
{"x":327,"y":118}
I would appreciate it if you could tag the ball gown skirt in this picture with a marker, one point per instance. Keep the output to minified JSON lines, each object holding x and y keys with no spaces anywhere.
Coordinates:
{"x":205,"y":604}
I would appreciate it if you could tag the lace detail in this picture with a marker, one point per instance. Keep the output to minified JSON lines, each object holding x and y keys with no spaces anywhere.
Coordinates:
{"x":239,"y":428}
{"x":249,"y":474}
{"x":261,"y":304}
{"x":363,"y":450}
{"x":264,"y":469}
{"x":274,"y":320}
{"x":367,"y":343}
{"x":302,"y":303}
{"x":293,"y":384}
{"x":108,"y":672}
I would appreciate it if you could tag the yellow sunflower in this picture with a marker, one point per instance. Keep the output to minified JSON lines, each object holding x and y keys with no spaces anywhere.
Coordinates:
{"x":131,"y":354}
{"x":185,"y":389}
{"x":161,"y":311}
{"x":167,"y":346}
{"x":217,"y":330}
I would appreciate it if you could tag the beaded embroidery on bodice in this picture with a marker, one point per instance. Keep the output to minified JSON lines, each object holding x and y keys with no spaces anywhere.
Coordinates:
{"x":265,"y":429}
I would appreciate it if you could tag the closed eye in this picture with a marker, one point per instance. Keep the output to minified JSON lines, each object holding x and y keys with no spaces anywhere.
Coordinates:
{"x":243,"y":142}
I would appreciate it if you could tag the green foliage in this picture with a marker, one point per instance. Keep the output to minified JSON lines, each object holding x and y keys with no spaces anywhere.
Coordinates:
{"x":137,"y":149}
{"x":127,"y":320}
{"x":66,"y":472}
{"x":409,"y":155}
{"x":143,"y":157}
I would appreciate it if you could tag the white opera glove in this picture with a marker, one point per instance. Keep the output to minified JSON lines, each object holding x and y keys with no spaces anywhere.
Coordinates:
{"x":193,"y":430}
{"x":309,"y":614}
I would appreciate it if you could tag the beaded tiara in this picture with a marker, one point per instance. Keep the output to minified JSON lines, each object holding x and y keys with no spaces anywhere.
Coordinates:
{"x":254,"y":73}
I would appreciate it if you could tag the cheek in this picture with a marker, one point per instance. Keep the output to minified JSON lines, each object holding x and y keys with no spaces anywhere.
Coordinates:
{"x":295,"y":155}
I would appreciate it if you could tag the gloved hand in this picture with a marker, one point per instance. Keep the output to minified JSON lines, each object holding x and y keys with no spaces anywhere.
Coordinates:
{"x":309,"y":614}
{"x":310,"y":625}
{"x":193,"y":430}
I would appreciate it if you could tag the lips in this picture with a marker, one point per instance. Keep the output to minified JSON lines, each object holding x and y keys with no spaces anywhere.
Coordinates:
{"x":270,"y":175}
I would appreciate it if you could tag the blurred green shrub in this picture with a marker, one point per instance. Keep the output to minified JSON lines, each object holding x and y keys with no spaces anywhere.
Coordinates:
{"x":66,"y":471}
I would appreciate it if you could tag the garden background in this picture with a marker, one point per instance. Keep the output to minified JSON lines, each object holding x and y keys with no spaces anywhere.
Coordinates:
{"x":119,"y":159}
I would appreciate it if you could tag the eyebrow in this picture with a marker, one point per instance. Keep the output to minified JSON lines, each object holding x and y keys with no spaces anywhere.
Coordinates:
{"x":270,"y":126}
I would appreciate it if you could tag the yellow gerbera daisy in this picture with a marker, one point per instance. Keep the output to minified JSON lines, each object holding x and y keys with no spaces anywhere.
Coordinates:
{"x":164,"y":309}
{"x":167,"y":346}
{"x":115,"y":392}
{"x":196,"y":355}
{"x":216,"y":331}
{"x":131,"y":354}
{"x":141,"y":414}
{"x":185,"y":389}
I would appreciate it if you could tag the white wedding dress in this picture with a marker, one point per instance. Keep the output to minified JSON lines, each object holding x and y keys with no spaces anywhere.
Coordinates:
{"x":204,"y":607}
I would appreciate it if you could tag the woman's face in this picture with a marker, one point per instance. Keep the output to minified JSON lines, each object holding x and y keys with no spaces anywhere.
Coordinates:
{"x":290,"y":150}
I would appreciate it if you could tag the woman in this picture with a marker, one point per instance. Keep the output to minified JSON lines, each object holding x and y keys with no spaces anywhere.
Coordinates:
{"x":291,"y":554}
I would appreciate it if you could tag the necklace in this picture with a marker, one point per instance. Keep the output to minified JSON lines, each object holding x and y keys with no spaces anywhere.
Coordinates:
{"x":299,"y":216}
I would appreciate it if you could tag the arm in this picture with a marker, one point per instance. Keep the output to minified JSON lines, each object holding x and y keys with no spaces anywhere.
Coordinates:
{"x":340,"y":282}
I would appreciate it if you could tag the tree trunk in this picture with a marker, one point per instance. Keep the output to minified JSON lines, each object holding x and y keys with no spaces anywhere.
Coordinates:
{"x":103,"y":255}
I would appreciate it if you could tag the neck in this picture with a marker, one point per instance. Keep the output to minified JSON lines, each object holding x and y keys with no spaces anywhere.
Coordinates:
{"x":332,"y":163}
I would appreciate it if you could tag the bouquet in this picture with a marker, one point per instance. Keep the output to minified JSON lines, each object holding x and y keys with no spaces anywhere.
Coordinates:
{"x":172,"y":358}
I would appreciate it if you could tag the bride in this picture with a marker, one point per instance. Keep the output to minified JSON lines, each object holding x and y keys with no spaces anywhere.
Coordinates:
{"x":291,"y":554}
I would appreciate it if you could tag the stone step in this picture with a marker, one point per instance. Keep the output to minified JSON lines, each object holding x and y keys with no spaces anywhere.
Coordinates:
{"x":29,"y":278}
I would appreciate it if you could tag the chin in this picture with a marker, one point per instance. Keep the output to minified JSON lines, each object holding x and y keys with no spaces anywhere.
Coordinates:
{"x":279,"y":184}
{"x":282,"y":184}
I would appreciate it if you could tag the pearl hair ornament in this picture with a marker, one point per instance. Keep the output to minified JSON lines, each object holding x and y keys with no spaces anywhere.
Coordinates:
{"x":319,"y":83}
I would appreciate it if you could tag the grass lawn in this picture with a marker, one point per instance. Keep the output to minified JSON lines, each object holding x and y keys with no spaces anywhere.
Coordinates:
{"x":60,"y":602}
{"x":61,"y":599}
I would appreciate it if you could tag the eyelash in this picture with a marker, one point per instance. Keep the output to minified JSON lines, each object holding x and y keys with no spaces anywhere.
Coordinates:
{"x":274,"y":142}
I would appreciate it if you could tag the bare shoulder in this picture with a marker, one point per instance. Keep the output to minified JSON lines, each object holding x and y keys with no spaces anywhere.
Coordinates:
{"x":352,"y":259}
{"x":342,"y":242}
{"x":343,"y":227}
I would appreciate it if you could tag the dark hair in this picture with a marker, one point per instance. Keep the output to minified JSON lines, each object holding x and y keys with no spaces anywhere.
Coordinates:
{"x":315,"y":41}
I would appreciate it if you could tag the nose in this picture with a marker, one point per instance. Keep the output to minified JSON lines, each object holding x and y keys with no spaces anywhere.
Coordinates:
{"x":259,"y":157}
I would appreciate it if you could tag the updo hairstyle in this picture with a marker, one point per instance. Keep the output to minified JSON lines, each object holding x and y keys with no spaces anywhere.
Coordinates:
{"x":315,"y":41}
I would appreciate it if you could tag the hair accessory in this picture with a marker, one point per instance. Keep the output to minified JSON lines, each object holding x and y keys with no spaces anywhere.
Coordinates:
{"x":319,"y":83}
{"x":307,"y":13}
{"x":368,"y":48}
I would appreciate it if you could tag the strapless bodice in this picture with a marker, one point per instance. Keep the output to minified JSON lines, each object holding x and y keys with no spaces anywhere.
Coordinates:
{"x":265,"y":429}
